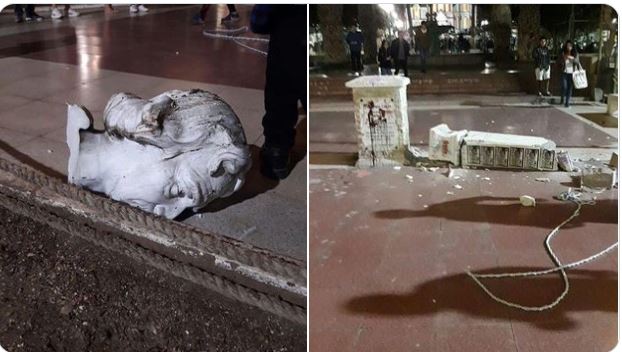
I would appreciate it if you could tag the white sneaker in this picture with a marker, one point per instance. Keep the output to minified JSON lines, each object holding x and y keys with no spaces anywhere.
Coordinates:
{"x":133,"y":9}
{"x":56,"y":14}
{"x":73,"y":13}
{"x":143,"y":8}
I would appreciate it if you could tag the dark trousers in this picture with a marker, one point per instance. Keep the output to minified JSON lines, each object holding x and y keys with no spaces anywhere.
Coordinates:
{"x":286,"y":78}
{"x":567,"y":84}
{"x":423,"y":54}
{"x":401,"y":64}
{"x":205,"y":8}
{"x":19,"y":10}
{"x":357,"y":64}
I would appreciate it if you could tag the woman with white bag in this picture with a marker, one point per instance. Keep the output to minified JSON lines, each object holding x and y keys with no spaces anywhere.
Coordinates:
{"x":569,"y":62}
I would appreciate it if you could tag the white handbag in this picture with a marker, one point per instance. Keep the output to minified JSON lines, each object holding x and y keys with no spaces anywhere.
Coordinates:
{"x":579,"y":78}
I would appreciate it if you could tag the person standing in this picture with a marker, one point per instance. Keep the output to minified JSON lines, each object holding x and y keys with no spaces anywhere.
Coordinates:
{"x":135,"y":8}
{"x":355,"y":43}
{"x":542,"y":60}
{"x":399,"y":53}
{"x":286,"y":81}
{"x":422,"y":40}
{"x":569,"y":62}
{"x":31,"y":15}
{"x":57,"y":14}
{"x":384,"y":58}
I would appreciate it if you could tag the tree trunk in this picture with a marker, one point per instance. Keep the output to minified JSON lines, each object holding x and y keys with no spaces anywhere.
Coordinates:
{"x":604,"y":78}
{"x":528,"y":30}
{"x":371,"y":19}
{"x":501,"y":27}
{"x":332,"y":33}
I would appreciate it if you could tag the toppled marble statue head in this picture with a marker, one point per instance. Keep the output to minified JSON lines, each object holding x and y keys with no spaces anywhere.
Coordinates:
{"x":178,"y":150}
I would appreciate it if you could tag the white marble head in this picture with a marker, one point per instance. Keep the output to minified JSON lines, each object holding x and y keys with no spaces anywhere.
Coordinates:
{"x":178,"y":150}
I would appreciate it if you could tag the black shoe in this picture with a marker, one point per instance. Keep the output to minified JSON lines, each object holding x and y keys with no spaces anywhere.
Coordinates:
{"x":34,"y":17}
{"x":274,"y":162}
{"x":19,"y":19}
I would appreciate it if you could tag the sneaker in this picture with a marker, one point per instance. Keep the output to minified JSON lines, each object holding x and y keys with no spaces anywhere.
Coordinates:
{"x":548,"y":94}
{"x":73,"y":13}
{"x":34,"y":17}
{"x":274,"y":162}
{"x":197,"y":20}
{"x":56,"y":14}
{"x":133,"y":9}
{"x":232,"y":17}
{"x":142,"y":8}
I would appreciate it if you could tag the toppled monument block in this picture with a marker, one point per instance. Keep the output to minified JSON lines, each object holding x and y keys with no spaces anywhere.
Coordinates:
{"x":492,"y":150}
{"x":381,"y":117}
{"x":596,"y":175}
{"x":178,"y":150}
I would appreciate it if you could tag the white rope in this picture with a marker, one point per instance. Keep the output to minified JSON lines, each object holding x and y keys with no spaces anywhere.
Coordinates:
{"x":233,"y":35}
{"x":571,"y":196}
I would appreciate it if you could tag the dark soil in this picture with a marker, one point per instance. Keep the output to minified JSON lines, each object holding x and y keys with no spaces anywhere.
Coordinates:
{"x":61,"y":293}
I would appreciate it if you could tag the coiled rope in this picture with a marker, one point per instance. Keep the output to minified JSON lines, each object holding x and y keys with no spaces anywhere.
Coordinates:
{"x":571,"y":196}
{"x":234,"y":35}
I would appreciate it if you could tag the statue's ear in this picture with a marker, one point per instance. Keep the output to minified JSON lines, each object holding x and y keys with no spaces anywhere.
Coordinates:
{"x":225,"y":166}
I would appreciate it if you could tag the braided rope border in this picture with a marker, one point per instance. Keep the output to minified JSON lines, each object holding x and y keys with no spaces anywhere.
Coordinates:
{"x":82,"y":226}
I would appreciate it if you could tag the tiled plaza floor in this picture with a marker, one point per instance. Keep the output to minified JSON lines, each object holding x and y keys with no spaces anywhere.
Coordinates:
{"x":86,"y":60}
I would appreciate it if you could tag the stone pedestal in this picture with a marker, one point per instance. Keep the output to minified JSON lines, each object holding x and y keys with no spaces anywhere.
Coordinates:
{"x":381,"y":116}
{"x":612,"y":105}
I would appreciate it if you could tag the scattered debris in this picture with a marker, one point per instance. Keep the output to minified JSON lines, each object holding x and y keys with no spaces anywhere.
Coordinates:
{"x":565,"y":162}
{"x":613,"y":162}
{"x":457,"y":187}
{"x":397,"y":168}
{"x":543,"y":179}
{"x":450,"y":193}
{"x":50,"y":150}
{"x":425,"y":206}
{"x":593,"y":177}
{"x":528,"y":201}
{"x":419,"y":195}
{"x":409,"y":177}
{"x":456,"y":177}
{"x":486,"y":178}
{"x":340,"y":193}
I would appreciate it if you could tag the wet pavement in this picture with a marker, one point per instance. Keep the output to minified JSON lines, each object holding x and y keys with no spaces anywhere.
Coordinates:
{"x":388,"y":257}
{"x":87,"y":59}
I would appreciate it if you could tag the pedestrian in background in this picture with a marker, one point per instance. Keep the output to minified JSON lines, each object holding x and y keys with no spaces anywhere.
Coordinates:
{"x":542,"y":60}
{"x":384,"y":58}
{"x":568,"y":62}
{"x":355,"y":43}
{"x":422,"y":41}
{"x":399,"y":53}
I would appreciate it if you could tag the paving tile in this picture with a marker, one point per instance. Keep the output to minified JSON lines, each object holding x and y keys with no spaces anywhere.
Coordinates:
{"x":35,"y":118}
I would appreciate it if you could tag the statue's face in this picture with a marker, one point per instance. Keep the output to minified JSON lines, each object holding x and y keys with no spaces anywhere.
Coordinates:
{"x":153,"y":178}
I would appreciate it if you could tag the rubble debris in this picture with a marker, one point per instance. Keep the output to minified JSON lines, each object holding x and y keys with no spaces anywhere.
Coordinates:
{"x":597,"y":178}
{"x":613,"y":162}
{"x":543,"y":179}
{"x":486,"y":178}
{"x":450,"y":193}
{"x":565,"y":162}
{"x":457,"y":187}
{"x":397,"y":168}
{"x":527,"y":201}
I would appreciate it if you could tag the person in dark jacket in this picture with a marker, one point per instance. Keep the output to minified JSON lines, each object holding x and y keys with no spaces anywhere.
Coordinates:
{"x":399,"y":53}
{"x":384,"y":58}
{"x":355,"y":43}
{"x":542,"y":61}
{"x":286,"y":81}
{"x":569,"y":62}
{"x":422,"y":40}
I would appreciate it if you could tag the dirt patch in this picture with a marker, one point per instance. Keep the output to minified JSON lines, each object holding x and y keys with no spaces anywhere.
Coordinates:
{"x":61,"y":293}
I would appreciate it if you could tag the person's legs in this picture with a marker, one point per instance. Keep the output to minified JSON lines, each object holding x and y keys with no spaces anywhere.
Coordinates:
{"x":233,"y":14}
{"x":568,"y":88}
{"x":19,"y":13}
{"x":424,"y":60}
{"x":353,"y":61}
{"x":285,"y":86}
{"x":404,"y":64}
{"x":359,"y":62}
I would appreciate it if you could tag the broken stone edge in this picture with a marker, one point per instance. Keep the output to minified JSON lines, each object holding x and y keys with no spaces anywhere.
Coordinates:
{"x":236,"y":270}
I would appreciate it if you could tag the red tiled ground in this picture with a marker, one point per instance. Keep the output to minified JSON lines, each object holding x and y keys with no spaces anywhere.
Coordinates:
{"x":386,"y":273}
{"x":565,"y":130}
